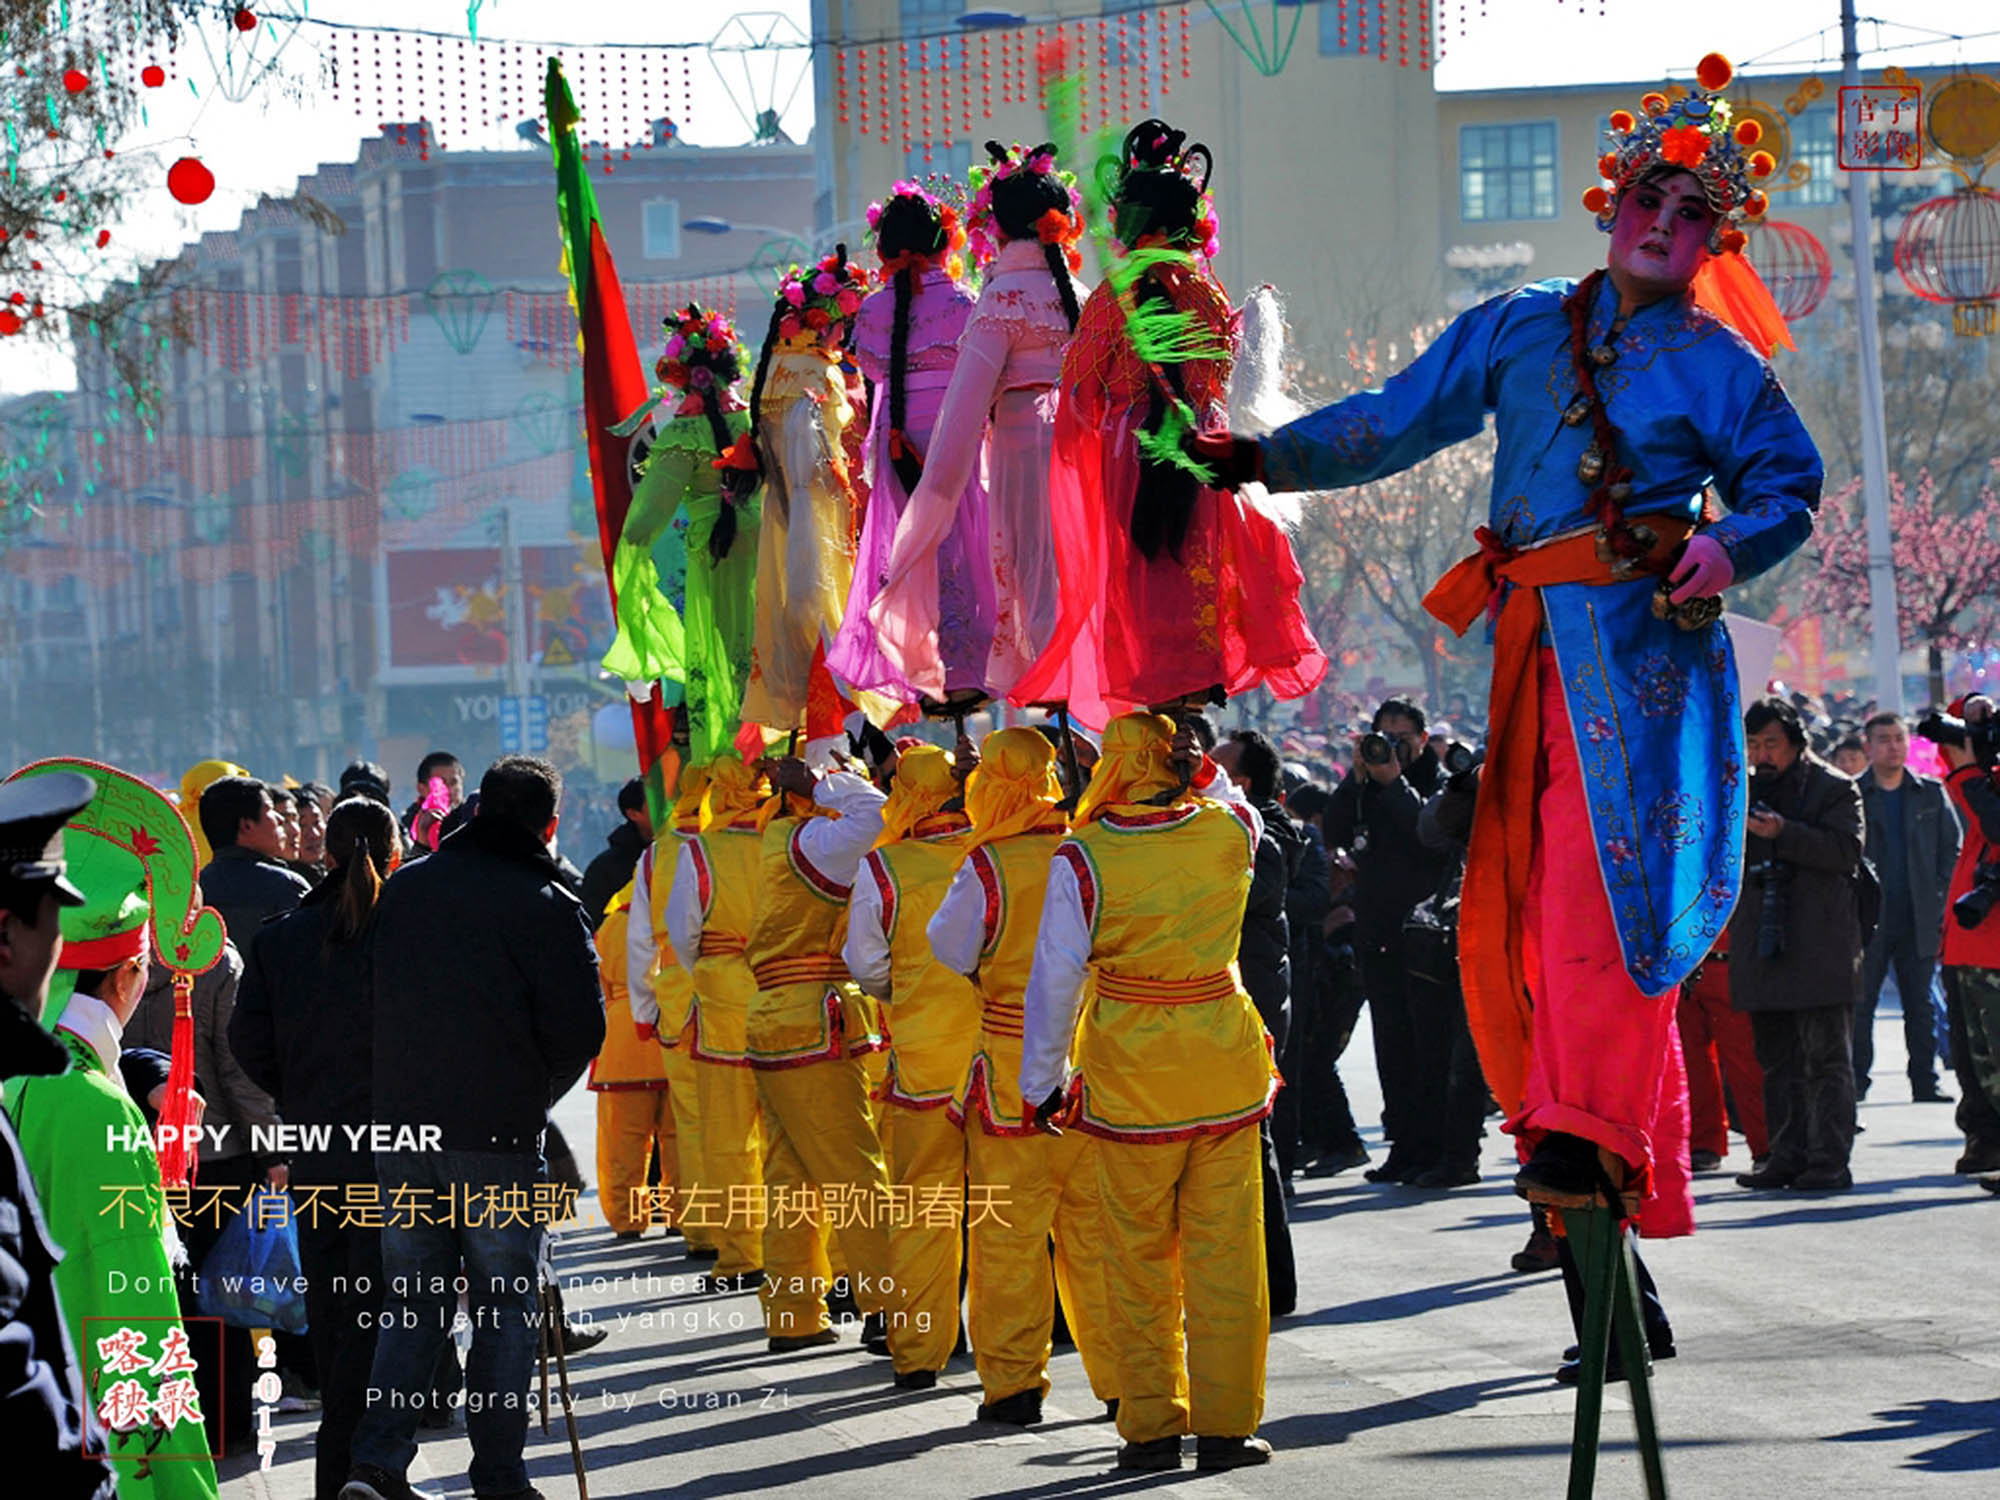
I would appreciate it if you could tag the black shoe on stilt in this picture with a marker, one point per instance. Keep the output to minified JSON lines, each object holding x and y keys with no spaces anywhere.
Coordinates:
{"x":793,"y":1343}
{"x":1564,"y":1172}
{"x":916,"y":1380}
{"x":875,"y":1334}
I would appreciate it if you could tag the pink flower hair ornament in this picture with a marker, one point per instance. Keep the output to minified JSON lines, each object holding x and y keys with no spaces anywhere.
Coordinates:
{"x":814,"y":299}
{"x":981,"y":232}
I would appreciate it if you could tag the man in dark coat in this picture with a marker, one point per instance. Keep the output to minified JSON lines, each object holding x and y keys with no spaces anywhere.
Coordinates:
{"x":1263,"y":957}
{"x":45,"y":1427}
{"x":607,"y":875}
{"x":1795,"y":950}
{"x":248,"y":880}
{"x":1374,"y":815}
{"x":1913,"y":839}
{"x":483,"y":970}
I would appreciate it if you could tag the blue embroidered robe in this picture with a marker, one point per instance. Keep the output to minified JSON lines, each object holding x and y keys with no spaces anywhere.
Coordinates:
{"x":1654,"y":709}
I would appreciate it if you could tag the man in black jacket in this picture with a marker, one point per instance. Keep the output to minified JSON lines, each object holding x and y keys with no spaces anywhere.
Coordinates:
{"x":606,"y":875}
{"x":248,"y":880}
{"x":45,"y":1427}
{"x":488,"y":1006}
{"x":1263,"y":957}
{"x":1374,"y":816}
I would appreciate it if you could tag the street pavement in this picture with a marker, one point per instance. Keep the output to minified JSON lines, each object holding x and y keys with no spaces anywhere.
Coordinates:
{"x":1846,"y":1345}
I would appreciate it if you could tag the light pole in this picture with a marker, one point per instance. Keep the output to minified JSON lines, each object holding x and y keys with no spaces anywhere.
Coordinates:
{"x":1888,"y":642}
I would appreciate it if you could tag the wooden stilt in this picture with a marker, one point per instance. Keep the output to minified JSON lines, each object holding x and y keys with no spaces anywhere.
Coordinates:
{"x":1610,"y":1309}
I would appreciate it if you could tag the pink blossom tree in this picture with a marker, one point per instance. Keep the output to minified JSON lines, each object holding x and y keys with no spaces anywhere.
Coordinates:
{"x":1947,"y":566}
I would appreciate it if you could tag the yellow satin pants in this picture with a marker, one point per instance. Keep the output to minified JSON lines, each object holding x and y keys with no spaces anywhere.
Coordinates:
{"x":926,"y":1155}
{"x":823,"y":1176}
{"x":1184,"y":1236}
{"x":687,"y":1131}
{"x":1022,"y":1189}
{"x":732,"y":1165}
{"x":631,"y":1125}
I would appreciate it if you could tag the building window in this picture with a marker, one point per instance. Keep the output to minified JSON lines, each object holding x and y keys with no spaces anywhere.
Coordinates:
{"x":662,"y":229}
{"x":1815,"y":141}
{"x":1343,"y":29}
{"x":1507,"y":171}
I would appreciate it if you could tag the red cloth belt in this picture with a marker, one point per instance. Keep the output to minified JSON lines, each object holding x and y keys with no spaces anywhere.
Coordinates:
{"x":1495,"y":898}
{"x":1196,"y":991}
{"x":805,"y":968}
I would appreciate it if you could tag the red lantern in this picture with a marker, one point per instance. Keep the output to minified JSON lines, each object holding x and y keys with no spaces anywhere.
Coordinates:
{"x":245,"y":18}
{"x":189,"y":181}
{"x":75,"y":81}
{"x":1793,"y":265}
{"x":152,"y":75}
{"x":1949,"y":251}
{"x":10,"y":321}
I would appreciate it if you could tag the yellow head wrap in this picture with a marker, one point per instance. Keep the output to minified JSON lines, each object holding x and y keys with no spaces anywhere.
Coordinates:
{"x":1014,"y":787}
{"x":735,"y":791}
{"x":200,"y":776}
{"x":924,"y":783}
{"x":687,"y":806}
{"x":1132,"y":767}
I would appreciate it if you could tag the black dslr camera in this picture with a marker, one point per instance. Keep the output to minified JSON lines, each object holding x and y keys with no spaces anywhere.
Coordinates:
{"x":1979,"y":736}
{"x":1976,"y":904}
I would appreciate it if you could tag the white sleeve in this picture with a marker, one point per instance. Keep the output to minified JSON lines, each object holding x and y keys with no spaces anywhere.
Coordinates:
{"x":835,"y":846}
{"x":866,"y":951}
{"x":640,"y":950}
{"x":684,"y":916}
{"x":1210,"y":782}
{"x":1055,"y":988}
{"x":957,"y":931}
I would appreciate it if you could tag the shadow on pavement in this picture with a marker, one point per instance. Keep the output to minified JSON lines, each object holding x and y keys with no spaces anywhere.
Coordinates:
{"x":1420,"y":1299}
{"x":1977,"y":1448}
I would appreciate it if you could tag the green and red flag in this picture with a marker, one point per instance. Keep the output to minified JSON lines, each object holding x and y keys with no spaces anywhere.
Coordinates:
{"x":614,"y":387}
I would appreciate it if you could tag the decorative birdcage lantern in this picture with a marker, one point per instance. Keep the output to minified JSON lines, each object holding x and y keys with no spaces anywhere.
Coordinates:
{"x":1793,"y":264}
{"x":1949,"y":252}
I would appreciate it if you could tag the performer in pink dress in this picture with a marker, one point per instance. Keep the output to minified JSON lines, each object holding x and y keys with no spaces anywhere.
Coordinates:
{"x":1169,"y":588}
{"x":905,"y":341}
{"x":1023,"y":223}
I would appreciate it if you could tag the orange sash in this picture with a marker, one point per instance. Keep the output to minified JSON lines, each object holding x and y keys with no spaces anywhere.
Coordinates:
{"x":1493,"y":908}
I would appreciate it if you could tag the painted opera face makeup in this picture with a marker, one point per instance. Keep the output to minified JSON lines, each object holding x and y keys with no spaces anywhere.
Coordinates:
{"x":1660,"y":237}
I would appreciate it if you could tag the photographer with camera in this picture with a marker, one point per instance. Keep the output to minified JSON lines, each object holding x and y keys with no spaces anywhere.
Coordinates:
{"x":1373,"y":814}
{"x":1795,"y":950}
{"x":1968,"y":739}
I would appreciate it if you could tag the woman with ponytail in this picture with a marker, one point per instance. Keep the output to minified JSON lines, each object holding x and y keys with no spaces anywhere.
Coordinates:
{"x":906,"y":343}
{"x":1023,"y":222}
{"x":1171,"y":589}
{"x":693,"y":523}
{"x":800,"y":412}
{"x":304,"y":1031}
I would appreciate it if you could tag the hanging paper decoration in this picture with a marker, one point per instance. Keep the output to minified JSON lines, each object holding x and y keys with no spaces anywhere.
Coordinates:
{"x":189,"y":181}
{"x":460,"y":302}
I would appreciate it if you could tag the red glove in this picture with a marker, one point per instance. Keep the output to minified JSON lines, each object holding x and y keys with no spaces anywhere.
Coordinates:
{"x":1703,"y":571}
{"x":648,"y":1032}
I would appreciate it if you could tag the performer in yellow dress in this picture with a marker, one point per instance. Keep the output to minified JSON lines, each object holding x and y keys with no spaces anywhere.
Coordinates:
{"x":932,"y":1018}
{"x":635,"y":1118}
{"x":661,"y":994}
{"x":708,"y":924}
{"x":986,"y":928}
{"x":1146,"y":899}
{"x":801,"y":411}
{"x":809,"y":1035}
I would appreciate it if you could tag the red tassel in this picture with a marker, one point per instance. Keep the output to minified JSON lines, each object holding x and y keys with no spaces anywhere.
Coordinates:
{"x":177,"y":1162}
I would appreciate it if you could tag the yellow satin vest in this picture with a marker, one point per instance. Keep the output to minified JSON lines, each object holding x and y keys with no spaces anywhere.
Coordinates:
{"x":673,"y":986}
{"x":807,"y":1007}
{"x":1172,"y":1046}
{"x":932,"y":1014}
{"x":1014,"y":875}
{"x":726,"y":882}
{"x":624,"y":1061}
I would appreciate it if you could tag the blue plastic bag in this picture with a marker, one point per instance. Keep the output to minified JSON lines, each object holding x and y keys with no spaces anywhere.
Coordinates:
{"x":251,"y":1278}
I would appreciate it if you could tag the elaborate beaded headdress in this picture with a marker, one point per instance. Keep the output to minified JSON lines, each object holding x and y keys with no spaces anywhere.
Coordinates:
{"x":815,"y":298}
{"x":1155,"y":146}
{"x":951,"y":234}
{"x":1694,"y":133}
{"x":703,"y":355}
